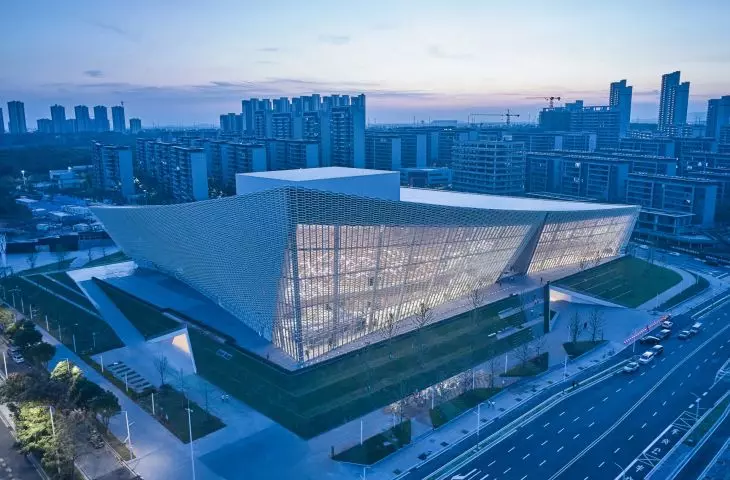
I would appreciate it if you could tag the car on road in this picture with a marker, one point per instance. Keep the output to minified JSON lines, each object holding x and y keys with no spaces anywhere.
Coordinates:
{"x":646,"y":357}
{"x":657,"y":349}
{"x":696,"y":328}
{"x":649,"y":340}
{"x":684,"y":335}
{"x":631,"y":367}
{"x":663,"y":333}
{"x":645,"y":247}
{"x":674,"y":254}
{"x":667,"y":324}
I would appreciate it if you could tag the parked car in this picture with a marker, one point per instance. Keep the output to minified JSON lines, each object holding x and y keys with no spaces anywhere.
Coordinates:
{"x":667,"y":324}
{"x":17,"y":358}
{"x":646,"y":357}
{"x":674,"y":254}
{"x":684,"y":335}
{"x":663,"y":333}
{"x":657,"y":349}
{"x":631,"y":367}
{"x":649,"y":340}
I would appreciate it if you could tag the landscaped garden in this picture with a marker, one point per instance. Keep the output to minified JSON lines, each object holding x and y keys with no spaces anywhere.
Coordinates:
{"x":627,"y":281}
{"x":529,"y":368}
{"x":701,"y":284}
{"x":315,"y":399}
{"x":378,"y":446}
{"x":447,"y":411}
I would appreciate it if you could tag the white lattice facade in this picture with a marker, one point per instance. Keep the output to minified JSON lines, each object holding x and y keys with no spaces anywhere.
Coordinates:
{"x":313,"y":270}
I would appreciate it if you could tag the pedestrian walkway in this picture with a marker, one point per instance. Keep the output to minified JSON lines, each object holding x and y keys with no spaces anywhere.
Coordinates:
{"x":687,"y":281}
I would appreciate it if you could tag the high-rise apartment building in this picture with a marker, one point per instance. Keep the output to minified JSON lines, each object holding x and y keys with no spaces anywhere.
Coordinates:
{"x":44,"y":125}
{"x":604,"y":121}
{"x":135,"y":125}
{"x":58,"y":118}
{"x":112,"y":168}
{"x":620,"y":99}
{"x":718,"y":115}
{"x":288,"y":154}
{"x":673,"y":101}
{"x":101,"y":119}
{"x":83,"y":120}
{"x":225,"y":159}
{"x":231,"y":123}
{"x":16,"y":118}
{"x":494,"y":167}
{"x":382,"y":150}
{"x":118,"y":120}
{"x":2,"y":122}
{"x":181,"y":172}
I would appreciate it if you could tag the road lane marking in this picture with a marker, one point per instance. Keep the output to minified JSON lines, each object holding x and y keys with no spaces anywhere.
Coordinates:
{"x":592,"y":423}
{"x":705,"y":360}
{"x":576,"y":419}
{"x":604,"y":399}
{"x":485,"y":476}
{"x":531,"y":435}
{"x":681,"y":383}
{"x":510,"y":450}
{"x":525,"y":457}
{"x":562,"y":413}
{"x":689,"y":375}
{"x":618,"y":390}
{"x":616,"y":451}
{"x":652,"y":366}
{"x":664,"y":403}
{"x":602,"y":463}
{"x":560,"y":449}
{"x":704,"y":394}
{"x":662,"y":359}
{"x":576,"y":436}
{"x":654,"y":415}
{"x":505,"y":472}
{"x":542,"y":463}
{"x":630,"y":382}
{"x":561,"y":430}
{"x":673,"y":393}
{"x":493,"y":462}
{"x":545,"y":426}
{"x":523,"y":478}
{"x":642,"y":374}
{"x":631,"y":437}
{"x":697,"y":367}
{"x":543,"y":443}
{"x":591,"y":408}
{"x":643,"y":425}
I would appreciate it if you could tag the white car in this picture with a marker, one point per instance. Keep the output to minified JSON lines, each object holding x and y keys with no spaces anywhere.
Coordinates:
{"x":646,"y":357}
{"x":674,"y":254}
{"x":667,"y":324}
{"x":631,"y":367}
{"x":645,"y":247}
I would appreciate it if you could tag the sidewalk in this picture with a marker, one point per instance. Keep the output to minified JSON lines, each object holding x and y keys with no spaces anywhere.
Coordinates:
{"x":687,"y":281}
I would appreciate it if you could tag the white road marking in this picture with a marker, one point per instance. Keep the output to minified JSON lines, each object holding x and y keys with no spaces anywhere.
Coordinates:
{"x":630,"y":382}
{"x":673,"y":393}
{"x":523,"y":478}
{"x":681,"y":383}
{"x":654,"y":414}
{"x":542,"y":463}
{"x":560,"y":449}
{"x":576,"y":436}
{"x":525,"y":457}
{"x":662,"y":359}
{"x":616,"y":451}
{"x":631,"y":437}
{"x":531,"y":435}
{"x":595,"y":407}
{"x":505,"y":472}
{"x":602,"y":463}
{"x":485,"y":476}
{"x":604,"y":399}
{"x":544,"y":426}
{"x":642,"y":374}
{"x":705,"y":360}
{"x":704,"y":394}
{"x":592,"y":423}
{"x":561,"y":414}
{"x":561,"y":430}
{"x":643,"y":425}
{"x":689,"y":375}
{"x":510,"y":450}
{"x":543,"y":443}
{"x":576,"y":419}
{"x":493,"y":462}
{"x":664,"y":403}
{"x":697,"y":367}
{"x":653,"y":366}
{"x":618,"y":390}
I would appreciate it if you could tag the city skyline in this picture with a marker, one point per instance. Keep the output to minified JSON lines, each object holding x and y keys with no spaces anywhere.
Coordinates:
{"x":410,"y":59}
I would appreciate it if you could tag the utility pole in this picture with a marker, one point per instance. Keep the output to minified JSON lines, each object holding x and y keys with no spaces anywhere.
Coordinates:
{"x":190,"y":432}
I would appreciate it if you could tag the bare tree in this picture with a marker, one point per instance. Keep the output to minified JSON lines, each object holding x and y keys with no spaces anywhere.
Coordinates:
{"x":582,"y":264}
{"x":493,"y":369}
{"x":539,"y":344}
{"x":597,"y":259}
{"x":31,"y":259}
{"x":162,"y":365}
{"x":206,"y":391}
{"x":574,"y":326}
{"x":391,"y":329}
{"x":595,"y":323}
{"x":523,"y":352}
{"x":421,"y":319}
{"x":181,"y":383}
{"x":61,"y":255}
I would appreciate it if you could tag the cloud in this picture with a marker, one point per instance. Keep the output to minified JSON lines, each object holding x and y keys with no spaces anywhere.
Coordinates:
{"x":268,"y":49}
{"x":436,"y":52}
{"x":334,"y":39}
{"x":266,"y":62}
{"x":94,"y":73}
{"x":115,"y":29}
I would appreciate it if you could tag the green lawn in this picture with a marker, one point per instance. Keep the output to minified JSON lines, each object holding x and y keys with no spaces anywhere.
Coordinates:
{"x":51,"y":267}
{"x":577,"y":349}
{"x":170,"y":411}
{"x":379,"y":446}
{"x":700,"y":286}
{"x":115,"y":257}
{"x":71,"y":294}
{"x":532,"y":367}
{"x":451,"y":409}
{"x":700,"y":430}
{"x":71,"y":319}
{"x":65,"y":279}
{"x":316,"y":399}
{"x":627,"y":281}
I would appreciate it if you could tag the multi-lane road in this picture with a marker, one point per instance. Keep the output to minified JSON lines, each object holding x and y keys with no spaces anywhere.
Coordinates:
{"x":625,"y":423}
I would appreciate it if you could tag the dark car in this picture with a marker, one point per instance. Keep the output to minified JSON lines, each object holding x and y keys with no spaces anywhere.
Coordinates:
{"x":649,"y":340}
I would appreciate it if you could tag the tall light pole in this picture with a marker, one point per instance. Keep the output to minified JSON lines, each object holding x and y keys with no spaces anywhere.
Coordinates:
{"x":129,"y":436}
{"x":190,"y":432}
{"x":697,"y":414}
{"x":93,"y":339}
{"x":5,"y":364}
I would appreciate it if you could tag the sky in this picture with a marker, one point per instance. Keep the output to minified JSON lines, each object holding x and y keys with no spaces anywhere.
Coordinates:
{"x":184,"y":62}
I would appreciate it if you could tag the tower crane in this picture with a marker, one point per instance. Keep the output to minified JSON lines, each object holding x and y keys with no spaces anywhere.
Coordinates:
{"x":508,"y":116}
{"x":551,"y":100}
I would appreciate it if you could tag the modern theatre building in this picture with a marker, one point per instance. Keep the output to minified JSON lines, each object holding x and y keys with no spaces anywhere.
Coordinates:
{"x":315,"y":259}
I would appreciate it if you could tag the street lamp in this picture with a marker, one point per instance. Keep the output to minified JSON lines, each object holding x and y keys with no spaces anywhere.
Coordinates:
{"x":697,"y":415}
{"x":190,"y":432}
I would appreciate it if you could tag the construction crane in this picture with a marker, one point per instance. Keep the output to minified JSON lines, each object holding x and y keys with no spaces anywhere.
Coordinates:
{"x":508,"y":116}
{"x":551,"y":100}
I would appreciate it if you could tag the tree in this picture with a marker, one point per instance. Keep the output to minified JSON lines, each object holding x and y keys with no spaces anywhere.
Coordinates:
{"x":31,"y":386}
{"x":105,"y":406}
{"x":582,"y":264}
{"x":24,"y":334}
{"x":61,"y":255}
{"x":421,"y":319}
{"x":40,"y":354}
{"x":493,"y":366}
{"x":595,"y":323}
{"x":391,"y":329}
{"x":31,"y":259}
{"x":574,"y":326}
{"x":539,"y":344}
{"x":162,"y":366}
{"x":181,"y":382}
{"x":523,"y":352}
